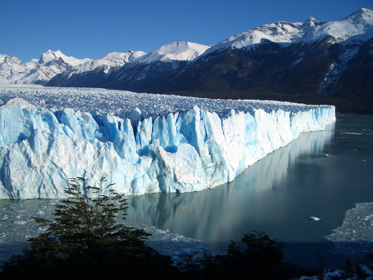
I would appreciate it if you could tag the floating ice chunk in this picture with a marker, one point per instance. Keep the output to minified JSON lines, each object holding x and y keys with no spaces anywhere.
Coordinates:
{"x":354,"y":236}
{"x":20,"y":223}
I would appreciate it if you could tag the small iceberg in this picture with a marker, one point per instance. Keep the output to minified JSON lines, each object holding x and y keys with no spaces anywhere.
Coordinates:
{"x":313,"y":218}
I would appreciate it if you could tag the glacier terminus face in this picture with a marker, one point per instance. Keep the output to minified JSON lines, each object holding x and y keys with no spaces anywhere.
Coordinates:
{"x":140,"y":142}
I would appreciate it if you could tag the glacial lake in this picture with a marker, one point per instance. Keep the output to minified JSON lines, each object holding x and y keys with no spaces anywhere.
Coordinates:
{"x":321,"y":174}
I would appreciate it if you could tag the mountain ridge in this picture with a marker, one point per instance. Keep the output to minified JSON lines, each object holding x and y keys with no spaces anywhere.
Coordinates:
{"x":303,"y":62}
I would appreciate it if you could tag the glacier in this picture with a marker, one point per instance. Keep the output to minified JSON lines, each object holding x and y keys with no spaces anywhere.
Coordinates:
{"x":143,"y":143}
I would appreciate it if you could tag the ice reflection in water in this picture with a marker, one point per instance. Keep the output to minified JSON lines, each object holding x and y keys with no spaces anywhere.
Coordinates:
{"x":211,"y":216}
{"x":256,"y":199}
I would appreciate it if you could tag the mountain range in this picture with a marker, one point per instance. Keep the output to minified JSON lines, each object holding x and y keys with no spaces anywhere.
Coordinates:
{"x":310,"y":62}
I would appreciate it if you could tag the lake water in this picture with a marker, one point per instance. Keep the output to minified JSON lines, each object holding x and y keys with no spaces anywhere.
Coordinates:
{"x":321,"y":174}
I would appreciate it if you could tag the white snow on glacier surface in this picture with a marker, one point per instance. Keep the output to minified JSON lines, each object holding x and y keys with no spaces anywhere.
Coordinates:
{"x":143,"y":143}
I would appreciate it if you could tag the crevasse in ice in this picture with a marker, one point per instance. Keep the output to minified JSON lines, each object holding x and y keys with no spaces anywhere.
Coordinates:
{"x":191,"y":150}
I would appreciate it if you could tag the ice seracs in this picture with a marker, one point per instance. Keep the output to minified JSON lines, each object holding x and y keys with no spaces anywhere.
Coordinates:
{"x":170,"y":144}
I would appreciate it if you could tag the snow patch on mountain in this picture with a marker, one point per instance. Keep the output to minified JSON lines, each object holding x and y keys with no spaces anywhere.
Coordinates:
{"x":358,"y":26}
{"x":179,"y":51}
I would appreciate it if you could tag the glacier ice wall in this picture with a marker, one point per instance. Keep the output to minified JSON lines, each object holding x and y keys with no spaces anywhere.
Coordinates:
{"x":192,"y":150}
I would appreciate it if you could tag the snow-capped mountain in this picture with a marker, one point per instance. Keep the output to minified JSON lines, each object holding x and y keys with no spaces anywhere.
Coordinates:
{"x":37,"y":71}
{"x":139,"y":72}
{"x":311,"y":61}
{"x":53,"y":63}
{"x":49,"y":65}
{"x":12,"y":69}
{"x":358,"y":26}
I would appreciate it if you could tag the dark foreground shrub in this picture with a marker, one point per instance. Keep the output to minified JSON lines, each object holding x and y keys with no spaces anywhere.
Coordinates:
{"x":89,"y":240}
{"x":257,"y":257}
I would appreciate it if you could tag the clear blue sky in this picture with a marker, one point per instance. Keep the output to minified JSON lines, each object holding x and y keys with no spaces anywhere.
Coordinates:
{"x":93,"y":28}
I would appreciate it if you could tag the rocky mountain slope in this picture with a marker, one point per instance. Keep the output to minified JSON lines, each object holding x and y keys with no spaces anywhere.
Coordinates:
{"x":147,"y":69}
